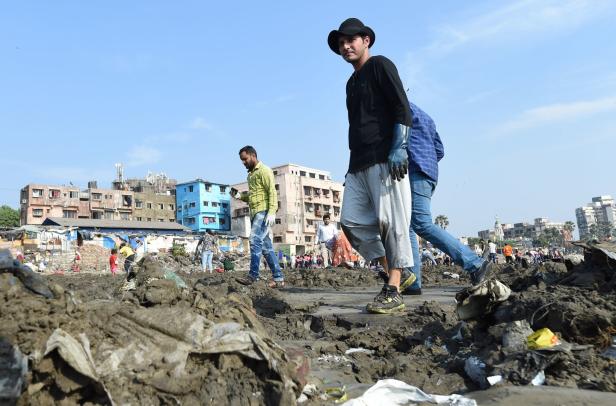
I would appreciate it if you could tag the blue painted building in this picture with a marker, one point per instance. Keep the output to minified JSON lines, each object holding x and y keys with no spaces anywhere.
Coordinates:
{"x":203,"y":205}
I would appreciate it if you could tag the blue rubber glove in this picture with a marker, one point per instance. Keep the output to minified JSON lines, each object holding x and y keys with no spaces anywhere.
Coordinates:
{"x":398,"y":158}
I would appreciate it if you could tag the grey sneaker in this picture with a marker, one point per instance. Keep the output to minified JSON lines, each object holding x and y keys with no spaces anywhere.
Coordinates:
{"x":389,"y":301}
{"x":480,"y":275}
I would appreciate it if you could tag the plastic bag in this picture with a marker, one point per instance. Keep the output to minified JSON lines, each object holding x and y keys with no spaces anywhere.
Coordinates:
{"x":542,"y":338}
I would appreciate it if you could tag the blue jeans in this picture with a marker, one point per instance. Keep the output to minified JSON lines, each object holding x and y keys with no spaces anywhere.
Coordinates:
{"x":206,"y":260}
{"x":261,"y":243}
{"x":422,"y":188}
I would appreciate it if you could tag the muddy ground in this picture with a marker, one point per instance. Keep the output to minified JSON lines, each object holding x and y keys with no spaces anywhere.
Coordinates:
{"x":314,"y":331}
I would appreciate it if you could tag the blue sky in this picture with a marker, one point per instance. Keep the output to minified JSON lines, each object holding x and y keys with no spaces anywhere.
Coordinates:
{"x":523,"y":94}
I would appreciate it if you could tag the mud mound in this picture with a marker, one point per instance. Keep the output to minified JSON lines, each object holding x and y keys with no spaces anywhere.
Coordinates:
{"x":443,"y":275}
{"x":206,"y":345}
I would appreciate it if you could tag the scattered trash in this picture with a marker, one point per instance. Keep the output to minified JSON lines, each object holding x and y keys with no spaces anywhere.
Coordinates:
{"x":515,"y":335}
{"x":494,"y":379}
{"x":179,"y":282}
{"x":27,"y":276}
{"x":338,"y":393}
{"x":539,"y":379}
{"x":481,"y":299}
{"x":360,"y":350}
{"x":475,"y":368}
{"x":542,"y":338}
{"x":13,"y":369}
{"x":610,"y":352}
{"x":451,"y":275}
{"x":395,"y":392}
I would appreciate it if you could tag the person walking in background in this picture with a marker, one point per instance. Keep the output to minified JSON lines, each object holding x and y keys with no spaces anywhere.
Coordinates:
{"x":207,"y":244}
{"x":113,"y":261}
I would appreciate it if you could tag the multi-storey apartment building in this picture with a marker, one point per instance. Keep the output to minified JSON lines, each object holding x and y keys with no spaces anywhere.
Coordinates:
{"x":154,"y":196}
{"x":41,"y":201}
{"x":600,"y":212}
{"x":304,"y":196}
{"x":203,"y":205}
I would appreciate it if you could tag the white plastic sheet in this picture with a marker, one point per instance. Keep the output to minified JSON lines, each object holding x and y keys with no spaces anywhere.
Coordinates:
{"x":394,"y":392}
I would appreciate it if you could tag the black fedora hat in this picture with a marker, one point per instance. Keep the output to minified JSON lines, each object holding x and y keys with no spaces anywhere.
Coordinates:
{"x":349,"y":27}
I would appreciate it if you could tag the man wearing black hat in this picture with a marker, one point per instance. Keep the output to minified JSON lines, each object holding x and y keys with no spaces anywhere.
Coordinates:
{"x":376,"y":207}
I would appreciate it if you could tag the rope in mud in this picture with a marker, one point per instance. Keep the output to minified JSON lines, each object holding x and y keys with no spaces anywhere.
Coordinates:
{"x":532,"y":318}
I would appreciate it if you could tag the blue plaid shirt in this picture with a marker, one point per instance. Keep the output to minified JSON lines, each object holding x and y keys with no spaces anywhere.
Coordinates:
{"x":425,"y":148}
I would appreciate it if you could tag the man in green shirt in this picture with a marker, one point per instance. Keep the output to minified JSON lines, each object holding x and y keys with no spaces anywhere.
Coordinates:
{"x":262,"y":200}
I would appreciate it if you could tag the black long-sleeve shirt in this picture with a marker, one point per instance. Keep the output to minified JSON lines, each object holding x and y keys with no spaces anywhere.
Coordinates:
{"x":375,"y":102}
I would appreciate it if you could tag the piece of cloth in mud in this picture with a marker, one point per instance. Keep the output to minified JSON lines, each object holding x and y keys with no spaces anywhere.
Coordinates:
{"x":376,"y":215}
{"x":13,"y":369}
{"x":394,"y":392}
{"x":481,"y":299}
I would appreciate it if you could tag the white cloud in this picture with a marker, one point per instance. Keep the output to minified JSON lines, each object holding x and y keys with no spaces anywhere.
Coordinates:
{"x":199,"y":123}
{"x":558,"y":112}
{"x":143,"y":155}
{"x":520,"y":18}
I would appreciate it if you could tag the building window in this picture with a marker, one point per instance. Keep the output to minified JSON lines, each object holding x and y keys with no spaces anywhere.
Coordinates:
{"x":208,"y":187}
{"x":310,"y":222}
{"x":209,"y":220}
{"x":222,"y":221}
{"x":214,"y":204}
{"x":179,"y":209}
{"x":307,"y":238}
{"x":278,"y":221}
{"x":127,"y":200}
{"x":171,"y":207}
{"x":97,"y":196}
{"x":138,"y":204}
{"x":277,"y":239}
{"x":224,"y":205}
{"x":322,"y":177}
{"x":37,"y":212}
{"x":73,"y":194}
{"x":97,"y":215}
{"x":69,"y":214}
{"x":37,"y":192}
{"x":277,"y":186}
{"x":275,"y":172}
{"x":190,"y":221}
{"x":179,"y":221}
{"x":161,"y":220}
{"x":171,"y":220}
{"x":223,"y":189}
{"x":139,"y":218}
{"x":193,"y":204}
{"x":206,"y":203}
{"x":54,"y":193}
{"x":161,"y":206}
{"x":307,"y":191}
{"x":302,"y":173}
{"x":312,"y":175}
{"x":190,"y":189}
{"x":124,"y":216}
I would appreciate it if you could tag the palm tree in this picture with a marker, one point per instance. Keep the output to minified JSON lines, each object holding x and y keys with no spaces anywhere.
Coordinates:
{"x":442,"y":221}
{"x":569,"y":227}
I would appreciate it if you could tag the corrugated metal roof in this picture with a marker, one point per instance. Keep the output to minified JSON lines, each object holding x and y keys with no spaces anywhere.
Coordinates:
{"x":119,"y":224}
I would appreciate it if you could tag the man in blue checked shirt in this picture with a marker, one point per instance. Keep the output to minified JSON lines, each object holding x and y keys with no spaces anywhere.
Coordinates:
{"x":425,"y":150}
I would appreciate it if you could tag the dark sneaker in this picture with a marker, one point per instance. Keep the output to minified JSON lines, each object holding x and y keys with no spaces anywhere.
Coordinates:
{"x":381,"y":294}
{"x":247,"y":281}
{"x":411,"y":292}
{"x":391,"y":302}
{"x":407,"y":279}
{"x":480,"y":275}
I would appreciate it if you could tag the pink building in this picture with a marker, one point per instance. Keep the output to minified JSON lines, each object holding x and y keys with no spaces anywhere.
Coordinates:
{"x":304,"y":196}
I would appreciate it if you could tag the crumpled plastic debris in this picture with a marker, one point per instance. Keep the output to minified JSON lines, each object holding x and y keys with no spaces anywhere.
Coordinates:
{"x":481,"y":299}
{"x":77,"y":355}
{"x":475,"y":368}
{"x":27,"y":276}
{"x":13,"y":369}
{"x":179,"y":282}
{"x":394,"y":392}
{"x":539,"y":379}
{"x":542,"y":338}
{"x":360,"y":350}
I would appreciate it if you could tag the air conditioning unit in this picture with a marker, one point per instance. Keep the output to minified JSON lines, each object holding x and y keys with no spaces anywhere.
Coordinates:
{"x":24,"y":201}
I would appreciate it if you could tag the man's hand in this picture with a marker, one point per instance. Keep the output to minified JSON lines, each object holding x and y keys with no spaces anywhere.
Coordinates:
{"x":398,"y":158}
{"x":235,"y":193}
{"x":270,"y":220}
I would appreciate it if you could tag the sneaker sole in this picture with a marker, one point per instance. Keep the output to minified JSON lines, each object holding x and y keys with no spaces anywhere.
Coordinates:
{"x":376,"y":310}
{"x":408,"y":282}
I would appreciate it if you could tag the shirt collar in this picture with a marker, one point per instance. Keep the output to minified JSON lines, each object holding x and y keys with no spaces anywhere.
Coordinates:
{"x":257,"y":166}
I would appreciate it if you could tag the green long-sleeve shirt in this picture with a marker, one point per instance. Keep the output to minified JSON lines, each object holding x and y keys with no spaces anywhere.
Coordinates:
{"x":261,"y":194}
